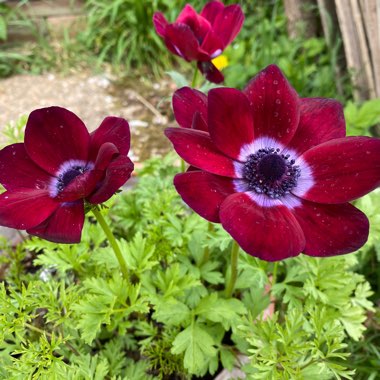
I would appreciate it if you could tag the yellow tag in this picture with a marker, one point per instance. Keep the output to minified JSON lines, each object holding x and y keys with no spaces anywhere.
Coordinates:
{"x":220,"y":62}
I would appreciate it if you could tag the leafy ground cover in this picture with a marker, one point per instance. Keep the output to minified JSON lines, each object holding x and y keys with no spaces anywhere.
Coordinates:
{"x":66,"y":313}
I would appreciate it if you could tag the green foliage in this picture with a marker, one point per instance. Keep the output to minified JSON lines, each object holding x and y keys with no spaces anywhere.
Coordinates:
{"x":309,"y":344}
{"x":297,"y":345}
{"x":366,"y":352}
{"x":359,"y":119}
{"x":42,"y":53}
{"x":66,"y":312}
{"x":121,"y":32}
{"x":108,"y":303}
{"x":12,"y":60}
{"x":370,"y":205}
{"x":14,"y":131}
{"x":330,"y":283}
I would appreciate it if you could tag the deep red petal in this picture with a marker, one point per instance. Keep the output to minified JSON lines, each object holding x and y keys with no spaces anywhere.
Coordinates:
{"x":181,"y":40}
{"x":212,"y":44}
{"x":228,"y":23}
{"x":80,"y":187}
{"x":204,"y":192}
{"x":321,"y":120}
{"x":275,"y":105}
{"x":199,"y":25}
{"x":187,"y":101}
{"x":199,"y":123}
{"x":210,"y":71}
{"x":113,"y":130}
{"x":269,"y":233}
{"x":17,"y":170}
{"x":196,"y":148}
{"x":84,"y":184}
{"x":229,"y":120}
{"x":331,"y":229}
{"x":160,"y":23}
{"x":107,"y":152}
{"x":211,"y":10}
{"x":54,"y":135}
{"x":63,"y":226}
{"x":117,"y":173}
{"x":187,"y":13}
{"x":341,"y":170}
{"x":25,"y":208}
{"x":191,"y":169}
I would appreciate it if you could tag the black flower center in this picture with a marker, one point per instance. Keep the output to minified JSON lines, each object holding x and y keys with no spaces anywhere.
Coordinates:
{"x":68,"y":175}
{"x":271,"y":167}
{"x":271,"y":173}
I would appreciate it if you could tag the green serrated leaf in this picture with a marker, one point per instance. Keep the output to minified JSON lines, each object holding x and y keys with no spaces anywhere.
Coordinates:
{"x":224,"y":311}
{"x":227,"y":358}
{"x":197,"y":346}
{"x":172,"y":312}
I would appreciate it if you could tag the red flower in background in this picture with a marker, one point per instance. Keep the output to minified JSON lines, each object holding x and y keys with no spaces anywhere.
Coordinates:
{"x":276,"y":170}
{"x":201,"y":37}
{"x":58,"y":167}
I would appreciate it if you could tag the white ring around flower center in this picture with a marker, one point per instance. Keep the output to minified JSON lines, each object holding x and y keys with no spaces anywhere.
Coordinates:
{"x":304,"y":182}
{"x":66,"y":166}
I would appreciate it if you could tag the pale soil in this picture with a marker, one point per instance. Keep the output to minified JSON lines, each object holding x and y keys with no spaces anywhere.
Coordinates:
{"x":144,"y":104}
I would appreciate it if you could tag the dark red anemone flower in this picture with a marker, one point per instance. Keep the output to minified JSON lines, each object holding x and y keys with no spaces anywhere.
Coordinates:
{"x":276,"y":170}
{"x":59,"y":167}
{"x":201,"y":37}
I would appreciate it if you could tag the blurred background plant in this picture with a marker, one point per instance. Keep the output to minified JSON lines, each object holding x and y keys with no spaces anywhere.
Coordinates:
{"x":120,"y":32}
{"x":11,"y":60}
{"x":264,"y":39}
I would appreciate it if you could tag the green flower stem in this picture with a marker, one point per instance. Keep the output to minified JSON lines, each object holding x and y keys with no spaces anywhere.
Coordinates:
{"x":234,"y":269}
{"x":112,"y":241}
{"x":36,"y":329}
{"x":195,"y":77}
{"x":183,"y":165}
{"x":206,"y":251}
{"x":274,"y":273}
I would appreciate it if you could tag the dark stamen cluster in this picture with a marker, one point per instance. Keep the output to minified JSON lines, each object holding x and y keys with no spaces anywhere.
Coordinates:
{"x":271,"y":173}
{"x":65,"y":178}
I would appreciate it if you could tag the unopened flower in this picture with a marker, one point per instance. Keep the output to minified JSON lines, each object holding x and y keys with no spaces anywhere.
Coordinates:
{"x":274,"y":169}
{"x":58,"y":168}
{"x":201,"y":37}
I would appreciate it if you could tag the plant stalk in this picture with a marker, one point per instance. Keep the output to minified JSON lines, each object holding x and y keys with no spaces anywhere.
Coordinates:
{"x":274,"y":273}
{"x":195,"y":77}
{"x":112,"y":241}
{"x":206,"y":251}
{"x":234,"y":269}
{"x":36,"y":329}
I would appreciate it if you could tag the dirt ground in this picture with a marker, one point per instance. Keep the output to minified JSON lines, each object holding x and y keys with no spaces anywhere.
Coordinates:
{"x":145,"y":104}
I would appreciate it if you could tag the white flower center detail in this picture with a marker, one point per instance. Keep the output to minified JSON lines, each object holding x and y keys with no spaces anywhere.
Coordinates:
{"x":66,"y":173}
{"x":270,"y":173}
